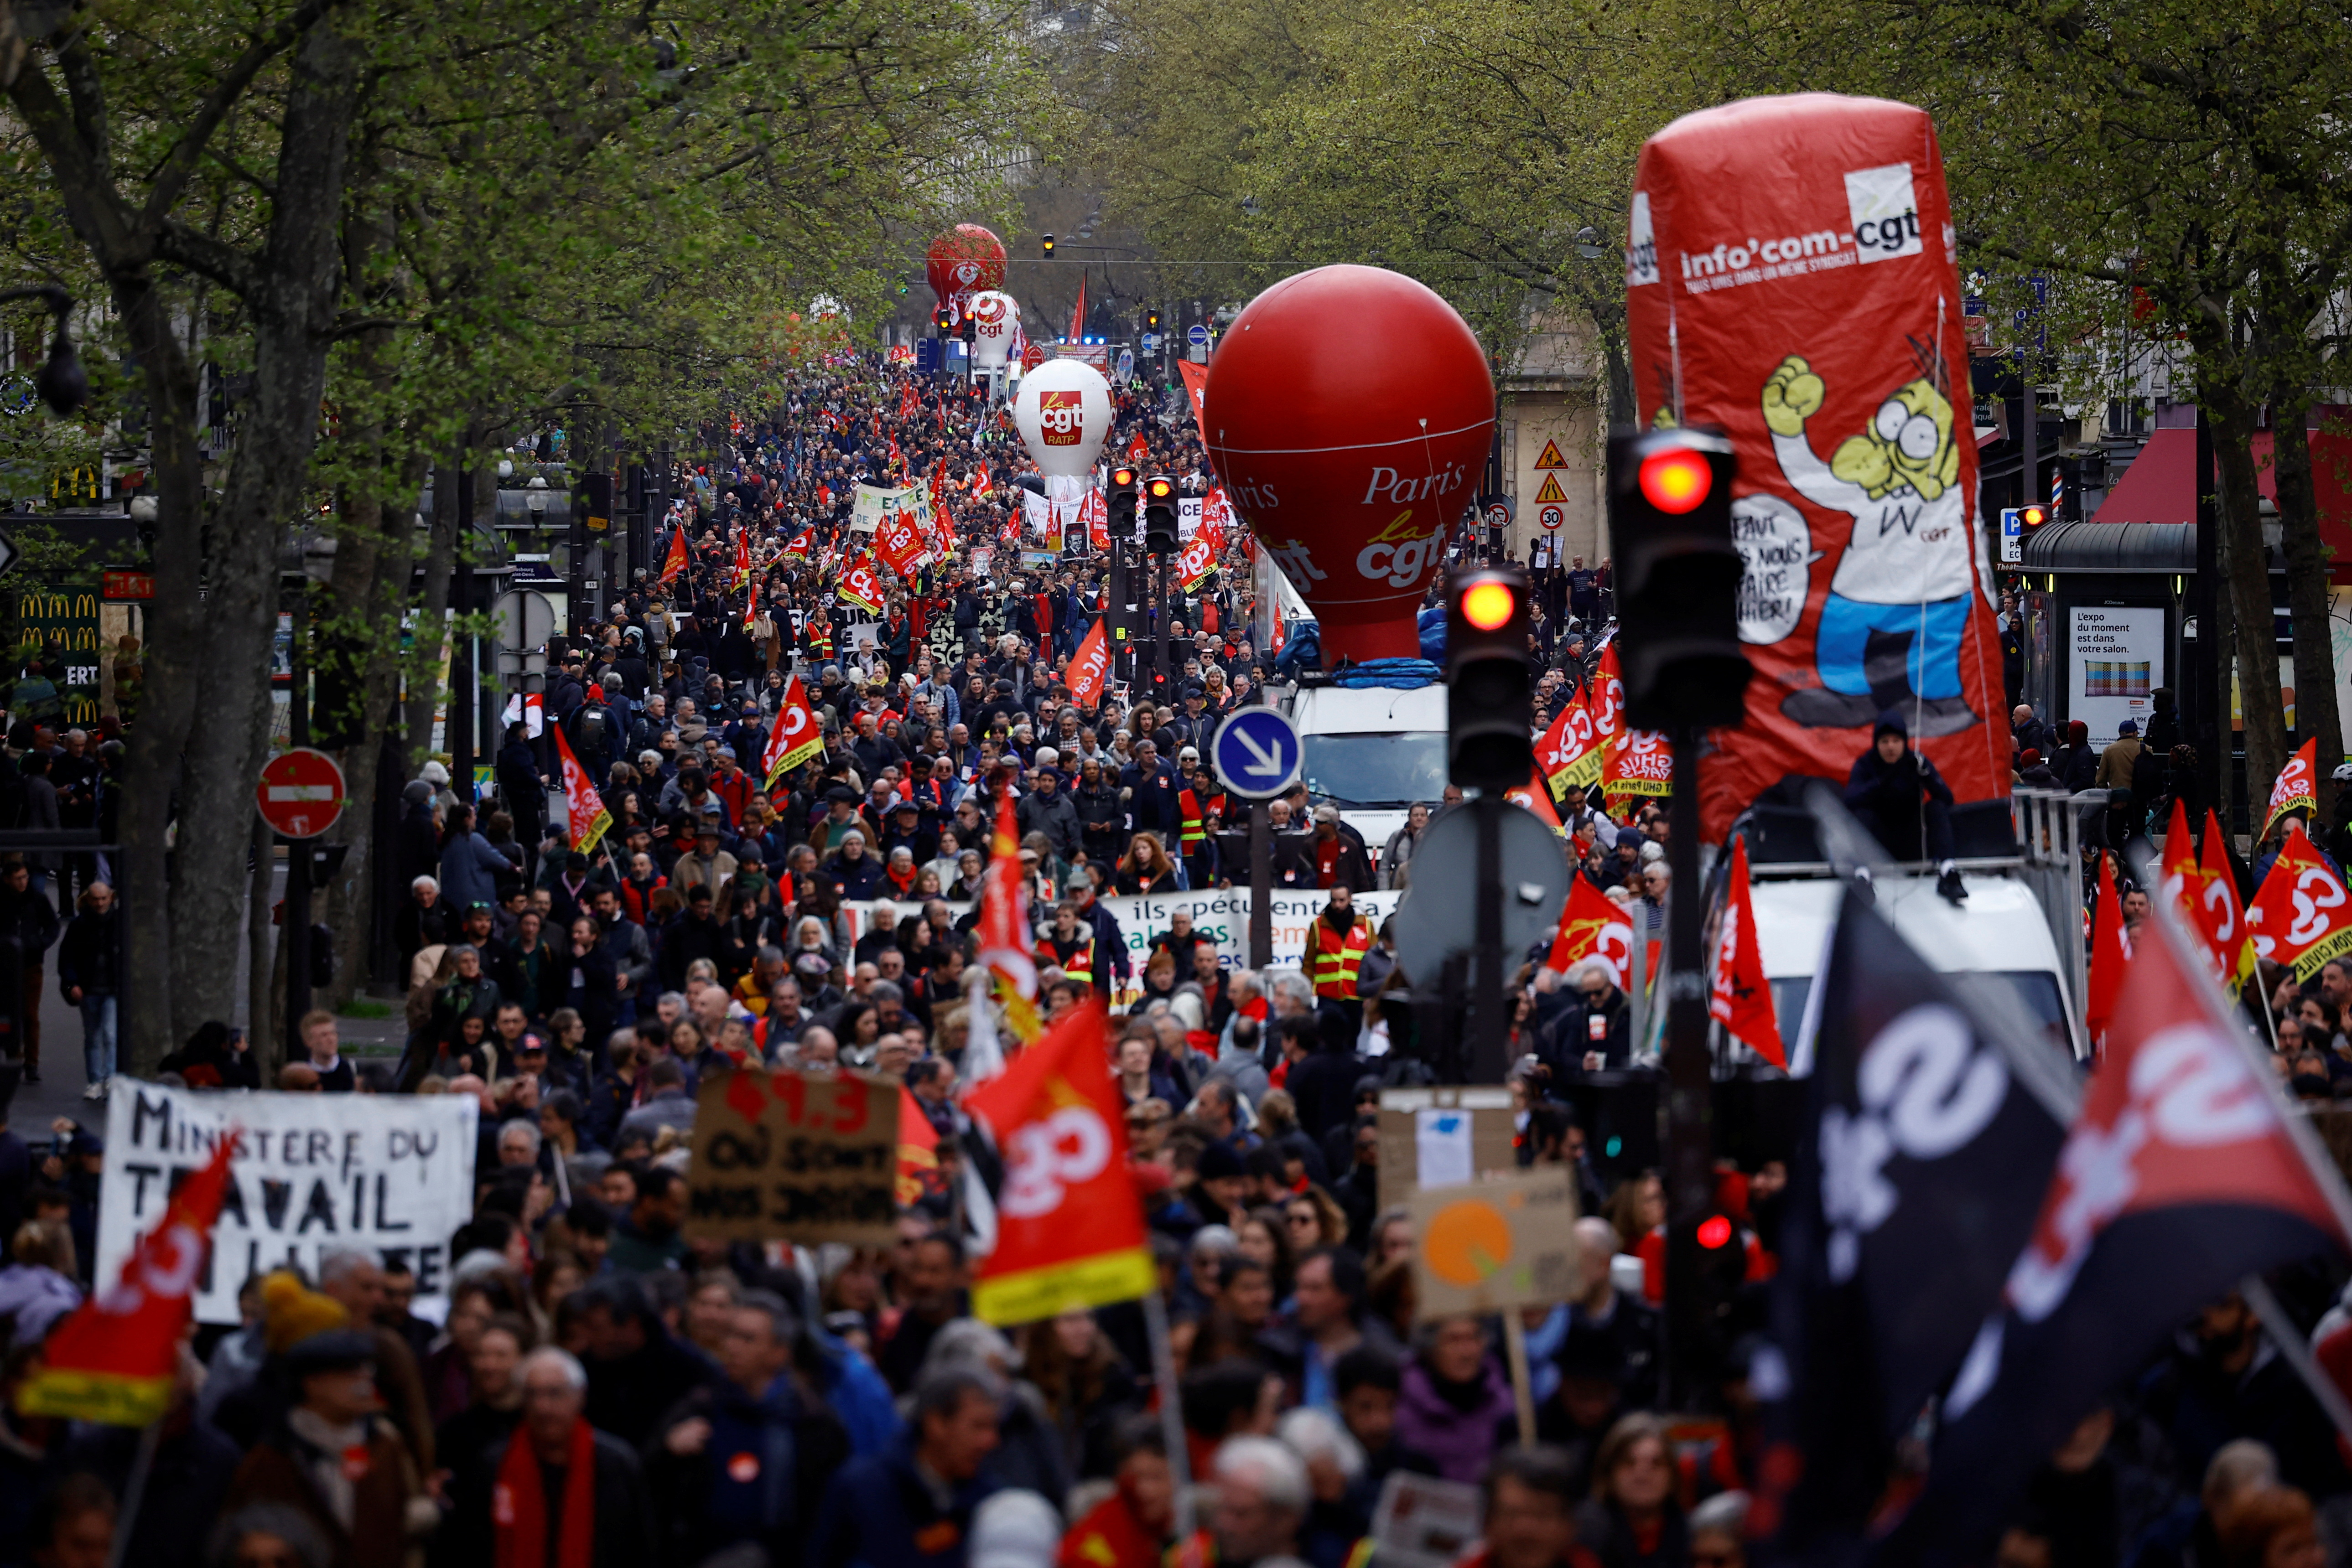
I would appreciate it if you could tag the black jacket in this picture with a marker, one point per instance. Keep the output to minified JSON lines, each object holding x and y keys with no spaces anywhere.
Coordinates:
{"x":796,"y":1444}
{"x":624,"y":1515}
{"x":31,"y":919}
{"x":90,"y":957}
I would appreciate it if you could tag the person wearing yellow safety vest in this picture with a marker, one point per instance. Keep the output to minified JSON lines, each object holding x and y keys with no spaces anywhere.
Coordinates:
{"x":1070,"y":945}
{"x":1201,"y":810}
{"x":1336,"y":946}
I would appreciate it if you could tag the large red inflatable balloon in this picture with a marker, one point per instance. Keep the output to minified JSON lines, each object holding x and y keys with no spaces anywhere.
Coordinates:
{"x":962,"y":262}
{"x":1348,"y":413}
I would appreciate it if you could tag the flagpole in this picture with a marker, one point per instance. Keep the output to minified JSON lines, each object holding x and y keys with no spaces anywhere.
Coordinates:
{"x":1172,"y":1414}
{"x":134,"y":1490}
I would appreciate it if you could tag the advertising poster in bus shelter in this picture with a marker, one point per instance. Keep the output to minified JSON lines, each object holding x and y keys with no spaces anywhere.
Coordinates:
{"x":1790,"y":280}
{"x":2114,"y":662}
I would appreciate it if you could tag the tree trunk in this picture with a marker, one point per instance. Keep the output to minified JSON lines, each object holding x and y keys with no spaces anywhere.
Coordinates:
{"x":424,"y":672}
{"x":176,"y":619}
{"x":294,"y":316}
{"x":2236,"y":505}
{"x":2316,"y":714}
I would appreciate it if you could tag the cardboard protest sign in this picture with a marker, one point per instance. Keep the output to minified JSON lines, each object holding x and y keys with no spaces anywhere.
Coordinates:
{"x":1494,"y":1245}
{"x":802,"y":1156}
{"x":390,"y":1174}
{"x":1443,"y":1137}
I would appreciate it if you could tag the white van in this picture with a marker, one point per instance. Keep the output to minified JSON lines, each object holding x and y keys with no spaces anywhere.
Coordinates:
{"x":2005,"y":932}
{"x":1372,"y":751}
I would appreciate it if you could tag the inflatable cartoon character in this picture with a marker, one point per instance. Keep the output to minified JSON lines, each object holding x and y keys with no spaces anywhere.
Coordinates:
{"x":1891,"y":630}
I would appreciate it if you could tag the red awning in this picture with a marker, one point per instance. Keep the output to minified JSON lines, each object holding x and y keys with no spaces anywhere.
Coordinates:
{"x":2160,"y":486}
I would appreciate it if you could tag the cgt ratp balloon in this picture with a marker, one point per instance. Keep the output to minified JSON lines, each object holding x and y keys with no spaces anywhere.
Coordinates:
{"x":961,"y":262}
{"x":1348,"y":411}
{"x":1063,"y":412}
{"x":995,"y":318}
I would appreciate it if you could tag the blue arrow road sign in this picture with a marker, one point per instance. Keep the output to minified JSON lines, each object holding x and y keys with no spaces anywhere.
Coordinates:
{"x":1256,"y":753}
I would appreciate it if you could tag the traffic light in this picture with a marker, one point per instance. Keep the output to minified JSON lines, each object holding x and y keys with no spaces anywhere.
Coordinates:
{"x":1151,"y":321}
{"x":1122,"y":501}
{"x":1049,"y":247}
{"x":1487,"y":668}
{"x":1159,"y":515}
{"x":943,"y":318}
{"x":2033,"y":516}
{"x":1677,"y":579}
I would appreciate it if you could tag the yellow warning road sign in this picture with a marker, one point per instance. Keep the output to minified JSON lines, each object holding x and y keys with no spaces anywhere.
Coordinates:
{"x":1551,"y":490}
{"x":1551,"y":457}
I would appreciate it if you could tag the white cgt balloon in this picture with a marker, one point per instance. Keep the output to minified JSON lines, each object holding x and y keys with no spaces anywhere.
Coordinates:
{"x":1063,"y":410}
{"x":994,"y":317}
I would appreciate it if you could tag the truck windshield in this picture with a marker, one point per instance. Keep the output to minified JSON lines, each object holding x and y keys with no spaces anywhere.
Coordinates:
{"x":2036,"y":991}
{"x":1393,"y":770}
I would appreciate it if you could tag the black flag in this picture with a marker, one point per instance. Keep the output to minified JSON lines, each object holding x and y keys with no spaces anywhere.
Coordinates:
{"x":2184,"y":1172}
{"x":1929,"y":1137}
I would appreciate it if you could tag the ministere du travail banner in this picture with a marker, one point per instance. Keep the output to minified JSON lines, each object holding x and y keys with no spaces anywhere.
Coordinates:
{"x":389,"y":1175}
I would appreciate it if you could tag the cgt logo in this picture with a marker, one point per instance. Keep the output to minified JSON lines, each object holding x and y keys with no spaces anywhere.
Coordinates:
{"x":1399,"y":558}
{"x":1061,"y":417}
{"x":1884,"y":211}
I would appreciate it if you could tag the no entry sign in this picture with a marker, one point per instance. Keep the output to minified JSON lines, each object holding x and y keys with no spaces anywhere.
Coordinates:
{"x":300,"y":793}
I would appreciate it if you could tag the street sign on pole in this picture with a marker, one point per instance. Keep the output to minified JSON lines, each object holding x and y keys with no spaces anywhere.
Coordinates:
{"x":1438,"y":915}
{"x":300,"y":793}
{"x":1197,"y":335}
{"x":1256,"y":753}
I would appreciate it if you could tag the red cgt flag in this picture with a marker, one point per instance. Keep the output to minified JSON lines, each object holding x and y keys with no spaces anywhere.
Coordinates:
{"x":2297,"y":788}
{"x":1091,"y":667}
{"x":1070,"y":1230}
{"x":1742,"y":999}
{"x":2298,"y":917}
{"x":116,"y":1358}
{"x":794,"y":738}
{"x":1591,"y":927}
{"x":675,"y":562}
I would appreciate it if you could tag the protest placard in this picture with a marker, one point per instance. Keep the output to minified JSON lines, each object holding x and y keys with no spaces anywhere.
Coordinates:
{"x":388,"y":1173}
{"x":1443,"y":1137}
{"x":1494,"y":1245}
{"x":806,"y":1156}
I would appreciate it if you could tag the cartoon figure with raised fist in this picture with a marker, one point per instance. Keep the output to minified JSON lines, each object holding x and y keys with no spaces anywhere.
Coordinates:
{"x":1897,"y":612}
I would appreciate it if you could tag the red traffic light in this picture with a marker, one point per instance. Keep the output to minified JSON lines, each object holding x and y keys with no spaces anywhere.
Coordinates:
{"x":1122,"y":478}
{"x":1675,"y":480}
{"x":1489,"y":606}
{"x":2034,"y":516}
{"x":1159,"y":488}
{"x":1715,"y":1232}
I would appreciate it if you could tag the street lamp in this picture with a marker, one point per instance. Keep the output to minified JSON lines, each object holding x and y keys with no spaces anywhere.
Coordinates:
{"x":63,"y":384}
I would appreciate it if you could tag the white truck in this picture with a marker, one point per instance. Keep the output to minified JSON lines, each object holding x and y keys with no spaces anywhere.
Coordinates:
{"x":1372,"y":751}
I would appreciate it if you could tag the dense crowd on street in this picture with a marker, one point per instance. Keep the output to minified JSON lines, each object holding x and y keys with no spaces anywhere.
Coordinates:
{"x":597,"y":1390}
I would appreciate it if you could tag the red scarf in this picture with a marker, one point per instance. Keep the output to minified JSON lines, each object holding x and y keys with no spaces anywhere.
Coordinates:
{"x":518,"y":1504}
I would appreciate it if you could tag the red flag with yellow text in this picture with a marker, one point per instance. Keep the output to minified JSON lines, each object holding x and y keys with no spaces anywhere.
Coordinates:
{"x":1091,"y":666}
{"x":2298,"y":918}
{"x":116,"y":1358}
{"x":1070,"y":1230}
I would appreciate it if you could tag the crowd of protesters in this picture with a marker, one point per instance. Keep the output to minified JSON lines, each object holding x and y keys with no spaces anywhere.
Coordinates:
{"x":596,"y":1390}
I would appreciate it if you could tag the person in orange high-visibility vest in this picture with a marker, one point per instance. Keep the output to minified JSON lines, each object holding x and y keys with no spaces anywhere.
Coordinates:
{"x":1336,"y":946}
{"x":1195,"y":802}
{"x":1069,"y":944}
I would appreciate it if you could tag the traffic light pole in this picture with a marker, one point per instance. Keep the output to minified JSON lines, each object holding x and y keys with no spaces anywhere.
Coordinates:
{"x":1261,"y":870}
{"x":1489,"y":1061}
{"x":1690,"y":1154}
{"x":1160,"y":631}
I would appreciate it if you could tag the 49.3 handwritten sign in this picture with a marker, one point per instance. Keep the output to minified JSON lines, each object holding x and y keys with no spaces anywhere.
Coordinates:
{"x":802,"y":1156}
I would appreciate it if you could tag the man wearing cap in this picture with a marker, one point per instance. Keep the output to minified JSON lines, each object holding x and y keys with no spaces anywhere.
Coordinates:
{"x":1047,"y":810}
{"x":908,"y":830}
{"x":841,"y":815}
{"x":1110,"y":942}
{"x":329,"y":1457}
{"x":854,"y":871}
{"x":707,"y":865}
{"x":1338,"y":852}
{"x":2117,"y":762}
{"x":1902,"y":799}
